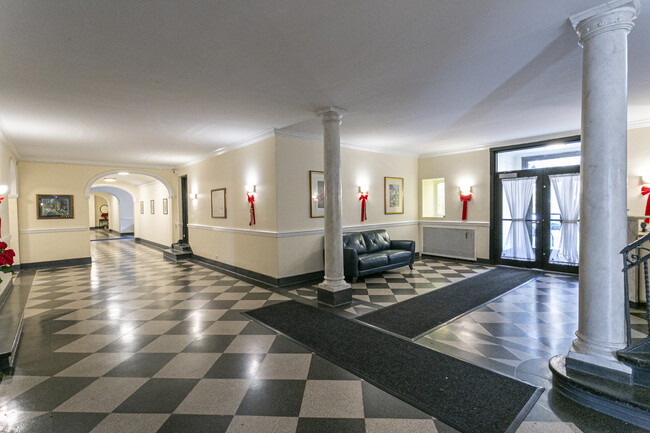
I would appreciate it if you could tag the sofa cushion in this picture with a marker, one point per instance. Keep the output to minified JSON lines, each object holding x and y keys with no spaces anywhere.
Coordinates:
{"x":372,"y":260}
{"x":398,"y":256}
{"x":355,"y":241}
{"x":376,"y":240}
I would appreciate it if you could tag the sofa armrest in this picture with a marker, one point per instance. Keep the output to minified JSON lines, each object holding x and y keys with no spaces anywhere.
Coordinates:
{"x":404,"y":245}
{"x":350,"y":262}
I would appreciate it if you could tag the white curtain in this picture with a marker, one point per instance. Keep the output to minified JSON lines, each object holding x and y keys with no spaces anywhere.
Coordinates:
{"x":567,"y":191}
{"x":518,"y":194}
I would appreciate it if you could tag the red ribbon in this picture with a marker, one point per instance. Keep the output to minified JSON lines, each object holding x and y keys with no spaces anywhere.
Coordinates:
{"x":251,"y":200}
{"x":645,"y":191}
{"x":465,"y":198}
{"x":363,"y":198}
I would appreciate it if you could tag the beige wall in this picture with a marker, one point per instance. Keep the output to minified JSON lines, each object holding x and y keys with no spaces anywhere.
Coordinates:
{"x":156,"y":227}
{"x":303,"y":253}
{"x":45,"y":240}
{"x":638,"y":163}
{"x":230,"y":240}
{"x":472,"y":167}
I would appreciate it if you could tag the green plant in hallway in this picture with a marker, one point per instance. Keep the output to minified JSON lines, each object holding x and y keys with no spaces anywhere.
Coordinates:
{"x":6,"y":259}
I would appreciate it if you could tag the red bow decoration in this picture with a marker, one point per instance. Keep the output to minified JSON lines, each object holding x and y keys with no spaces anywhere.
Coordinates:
{"x":645,"y":191}
{"x":465,"y":198}
{"x":363,"y":197}
{"x":251,"y":200}
{"x":1,"y":198}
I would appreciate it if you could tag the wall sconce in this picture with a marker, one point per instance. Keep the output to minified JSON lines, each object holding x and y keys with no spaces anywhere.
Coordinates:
{"x":645,"y":178}
{"x":4,"y":189}
{"x":363,"y":196}
{"x":250,"y":196}
{"x":465,"y":196}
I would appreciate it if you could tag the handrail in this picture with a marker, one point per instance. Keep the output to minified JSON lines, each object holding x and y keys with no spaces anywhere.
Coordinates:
{"x":632,"y":259}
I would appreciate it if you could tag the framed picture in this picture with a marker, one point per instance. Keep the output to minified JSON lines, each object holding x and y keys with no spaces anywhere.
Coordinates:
{"x":54,"y":206}
{"x":393,"y":195}
{"x":142,"y":207}
{"x":218,"y":202}
{"x":165,"y":207}
{"x":152,"y":206}
{"x":316,"y":194}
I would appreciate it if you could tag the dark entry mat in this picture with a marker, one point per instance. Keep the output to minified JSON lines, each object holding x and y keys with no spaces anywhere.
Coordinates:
{"x":418,"y":315}
{"x":462,"y":395}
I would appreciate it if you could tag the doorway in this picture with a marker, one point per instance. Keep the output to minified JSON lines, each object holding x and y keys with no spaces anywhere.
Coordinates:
{"x":536,"y":205}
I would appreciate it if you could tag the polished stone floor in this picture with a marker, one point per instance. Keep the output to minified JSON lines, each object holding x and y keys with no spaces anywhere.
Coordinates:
{"x":134,"y":343}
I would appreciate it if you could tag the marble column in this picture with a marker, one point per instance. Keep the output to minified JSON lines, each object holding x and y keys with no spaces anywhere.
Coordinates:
{"x":333,"y":290}
{"x":603,"y":33}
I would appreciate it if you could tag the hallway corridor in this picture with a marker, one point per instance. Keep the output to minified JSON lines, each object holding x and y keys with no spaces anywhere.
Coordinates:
{"x":135,"y":343}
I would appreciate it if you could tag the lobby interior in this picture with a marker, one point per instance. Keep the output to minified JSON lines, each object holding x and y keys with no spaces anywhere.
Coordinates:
{"x":160,"y":121}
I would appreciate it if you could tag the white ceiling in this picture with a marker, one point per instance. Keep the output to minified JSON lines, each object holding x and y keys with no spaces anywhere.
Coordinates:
{"x":133,"y":179}
{"x":140,"y":83}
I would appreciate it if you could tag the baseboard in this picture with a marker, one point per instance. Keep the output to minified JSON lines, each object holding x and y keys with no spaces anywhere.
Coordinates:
{"x":150,"y":244}
{"x":256,"y":277}
{"x":96,"y":228}
{"x":127,"y":234}
{"x":55,"y":263}
{"x":638,"y":305}
{"x":478,"y":260}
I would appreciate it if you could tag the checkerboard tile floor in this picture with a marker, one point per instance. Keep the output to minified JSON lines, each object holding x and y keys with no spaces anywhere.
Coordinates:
{"x":381,"y":290}
{"x":138,"y":344}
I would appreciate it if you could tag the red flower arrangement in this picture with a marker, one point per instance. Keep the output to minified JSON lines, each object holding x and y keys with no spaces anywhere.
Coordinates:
{"x":6,"y":259}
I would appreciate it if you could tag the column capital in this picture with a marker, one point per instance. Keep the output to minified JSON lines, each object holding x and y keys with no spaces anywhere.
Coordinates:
{"x":331,"y":114}
{"x":613,"y":15}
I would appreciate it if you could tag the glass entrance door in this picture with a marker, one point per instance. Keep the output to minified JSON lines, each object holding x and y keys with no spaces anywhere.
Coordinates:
{"x":536,"y":208}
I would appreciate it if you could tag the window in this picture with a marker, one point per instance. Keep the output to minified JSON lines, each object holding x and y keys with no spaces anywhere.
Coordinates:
{"x":433,"y":198}
{"x":535,"y":157}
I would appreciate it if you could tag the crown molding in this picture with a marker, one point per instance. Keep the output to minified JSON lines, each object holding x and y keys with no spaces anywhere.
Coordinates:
{"x":636,"y":124}
{"x":255,"y":138}
{"x":319,"y":139}
{"x":92,"y":162}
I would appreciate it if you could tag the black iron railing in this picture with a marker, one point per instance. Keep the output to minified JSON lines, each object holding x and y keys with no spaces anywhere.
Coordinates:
{"x":633,"y":256}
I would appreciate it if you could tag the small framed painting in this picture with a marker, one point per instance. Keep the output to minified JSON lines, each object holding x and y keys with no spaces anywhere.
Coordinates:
{"x":316,"y":194}
{"x":393,"y":195}
{"x":54,"y":206}
{"x":218,"y":203}
{"x":142,"y":207}
{"x":152,"y":204}
{"x":165,"y":207}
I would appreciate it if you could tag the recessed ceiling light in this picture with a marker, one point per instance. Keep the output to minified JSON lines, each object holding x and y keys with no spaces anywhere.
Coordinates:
{"x":110,"y":179}
{"x":123,"y":173}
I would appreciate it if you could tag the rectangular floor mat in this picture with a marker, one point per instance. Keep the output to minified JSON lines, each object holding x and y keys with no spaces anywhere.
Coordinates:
{"x":462,"y":395}
{"x":415,"y":316}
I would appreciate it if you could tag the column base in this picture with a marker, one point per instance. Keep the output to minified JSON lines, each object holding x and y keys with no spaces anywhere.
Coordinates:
{"x":603,"y":364}
{"x":334,"y":293}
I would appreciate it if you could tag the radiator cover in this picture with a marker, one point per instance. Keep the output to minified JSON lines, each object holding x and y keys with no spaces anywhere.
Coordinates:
{"x":453,"y":242}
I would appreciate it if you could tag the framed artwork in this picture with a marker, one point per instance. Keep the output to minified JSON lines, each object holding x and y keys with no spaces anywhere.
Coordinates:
{"x":393,"y":195}
{"x":316,"y":194}
{"x":54,"y":206}
{"x":165,"y":207}
{"x":142,"y":207}
{"x":218,"y":203}
{"x":152,"y":206}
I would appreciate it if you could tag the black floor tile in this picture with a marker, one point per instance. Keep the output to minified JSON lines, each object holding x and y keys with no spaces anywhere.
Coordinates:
{"x":188,"y":327}
{"x":273,"y":398}
{"x":257,"y":296}
{"x":235,"y":366}
{"x":174,"y":315}
{"x":328,"y":425}
{"x":45,"y":363}
{"x":141,"y":365}
{"x":128,"y":343}
{"x":50,"y":394}
{"x":284,"y":345}
{"x":158,"y":396}
{"x":379,"y":404}
{"x":219,"y":305}
{"x":195,"y":424}
{"x":233,"y":316}
{"x":322,"y":369}
{"x":254,"y":328}
{"x":117,"y":327}
{"x":210,"y":344}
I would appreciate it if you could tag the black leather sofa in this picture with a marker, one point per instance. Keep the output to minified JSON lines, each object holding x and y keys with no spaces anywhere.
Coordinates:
{"x":366,"y":253}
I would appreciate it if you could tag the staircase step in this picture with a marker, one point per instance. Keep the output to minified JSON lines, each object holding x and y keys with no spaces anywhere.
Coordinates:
{"x":637,"y":356}
{"x":11,"y":323}
{"x":175,"y":256}
{"x":184,"y":248}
